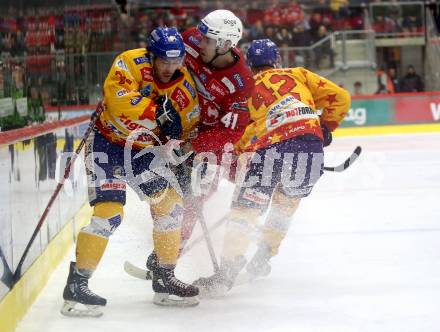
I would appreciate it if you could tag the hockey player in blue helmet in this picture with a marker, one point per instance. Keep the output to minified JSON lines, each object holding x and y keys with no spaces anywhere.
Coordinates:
{"x":263,"y":53}
{"x":168,"y":50}
{"x":147,"y":91}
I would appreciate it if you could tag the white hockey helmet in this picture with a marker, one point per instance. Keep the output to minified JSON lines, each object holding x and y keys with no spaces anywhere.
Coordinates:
{"x":222,"y":25}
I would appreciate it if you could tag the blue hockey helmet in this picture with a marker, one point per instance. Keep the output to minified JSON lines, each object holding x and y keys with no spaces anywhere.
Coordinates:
{"x":263,"y":52}
{"x":166,"y":43}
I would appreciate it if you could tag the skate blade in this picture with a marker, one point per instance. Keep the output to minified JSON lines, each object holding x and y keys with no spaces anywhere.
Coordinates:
{"x":167,"y":300}
{"x":69,"y":310}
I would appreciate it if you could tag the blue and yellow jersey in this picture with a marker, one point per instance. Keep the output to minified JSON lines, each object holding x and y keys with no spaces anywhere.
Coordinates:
{"x":127,"y":110}
{"x":285,"y":104}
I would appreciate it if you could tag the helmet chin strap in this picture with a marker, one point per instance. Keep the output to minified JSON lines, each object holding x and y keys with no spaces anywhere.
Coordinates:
{"x":217,"y":54}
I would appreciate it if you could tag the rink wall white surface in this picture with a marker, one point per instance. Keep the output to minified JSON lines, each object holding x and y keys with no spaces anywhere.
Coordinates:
{"x":31,"y":163}
{"x":17,"y":302}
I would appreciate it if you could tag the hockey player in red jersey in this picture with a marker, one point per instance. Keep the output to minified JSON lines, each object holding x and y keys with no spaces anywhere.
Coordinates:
{"x":224,"y":82}
{"x":223,"y":79}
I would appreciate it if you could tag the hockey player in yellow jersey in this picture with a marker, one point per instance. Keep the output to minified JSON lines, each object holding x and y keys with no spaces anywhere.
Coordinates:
{"x":284,"y":149}
{"x":150,"y":99}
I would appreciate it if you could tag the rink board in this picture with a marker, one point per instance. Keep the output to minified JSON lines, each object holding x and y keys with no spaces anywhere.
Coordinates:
{"x":17,"y":302}
{"x":388,"y":130}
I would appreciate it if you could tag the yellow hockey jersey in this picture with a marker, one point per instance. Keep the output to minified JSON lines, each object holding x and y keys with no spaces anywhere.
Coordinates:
{"x":127,"y":110}
{"x":285,"y":104}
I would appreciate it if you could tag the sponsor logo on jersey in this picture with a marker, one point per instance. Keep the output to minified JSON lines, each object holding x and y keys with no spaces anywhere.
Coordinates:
{"x":207,"y":70}
{"x":141,"y":60}
{"x":195,"y":113}
{"x":111,"y":127}
{"x":121,"y":64}
{"x":180,"y":97}
{"x":113,"y":185}
{"x":240,"y":106}
{"x":288,"y":109}
{"x":121,"y":92}
{"x":130,"y":124}
{"x":190,"y":89}
{"x":191,"y":51}
{"x":194,"y":40}
{"x":146,"y":90}
{"x":256,"y":196}
{"x":216,"y":89}
{"x":147,"y":74}
{"x":239,"y":80}
{"x":135,"y":101}
{"x":228,"y":84}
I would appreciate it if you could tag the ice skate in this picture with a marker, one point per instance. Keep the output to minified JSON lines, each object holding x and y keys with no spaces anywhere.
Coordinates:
{"x":77,"y":292}
{"x":170,"y":291}
{"x":223,"y":280}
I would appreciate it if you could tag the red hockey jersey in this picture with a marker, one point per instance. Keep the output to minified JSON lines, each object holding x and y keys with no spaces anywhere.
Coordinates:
{"x":223,"y":94}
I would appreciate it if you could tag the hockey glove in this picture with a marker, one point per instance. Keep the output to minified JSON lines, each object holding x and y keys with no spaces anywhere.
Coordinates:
{"x":327,"y":135}
{"x":168,"y":119}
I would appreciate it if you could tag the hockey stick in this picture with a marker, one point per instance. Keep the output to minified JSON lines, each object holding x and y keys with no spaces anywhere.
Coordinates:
{"x":200,"y":238}
{"x":208,"y":241}
{"x":350,"y":160}
{"x":7,"y":277}
{"x":96,"y":114}
{"x":145,"y":274}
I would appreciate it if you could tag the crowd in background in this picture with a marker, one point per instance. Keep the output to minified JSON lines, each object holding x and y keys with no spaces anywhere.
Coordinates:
{"x":98,"y":28}
{"x":38,"y":42}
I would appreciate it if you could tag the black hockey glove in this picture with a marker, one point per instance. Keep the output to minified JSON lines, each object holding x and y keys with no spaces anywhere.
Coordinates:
{"x":327,"y":135}
{"x":168,"y":119}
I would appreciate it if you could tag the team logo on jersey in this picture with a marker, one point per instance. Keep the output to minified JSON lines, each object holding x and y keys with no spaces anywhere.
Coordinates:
{"x":135,"y":101}
{"x":228,"y":84}
{"x":190,"y":89}
{"x":141,"y":60}
{"x":212,"y":112}
{"x":239,"y":80}
{"x":203,"y":77}
{"x":121,"y":92}
{"x":147,"y":74}
{"x":180,"y":97}
{"x":121,"y":64}
{"x":118,"y":171}
{"x":216,"y":89}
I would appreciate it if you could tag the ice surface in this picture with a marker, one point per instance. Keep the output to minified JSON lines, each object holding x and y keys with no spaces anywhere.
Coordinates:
{"x":363,"y":254}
